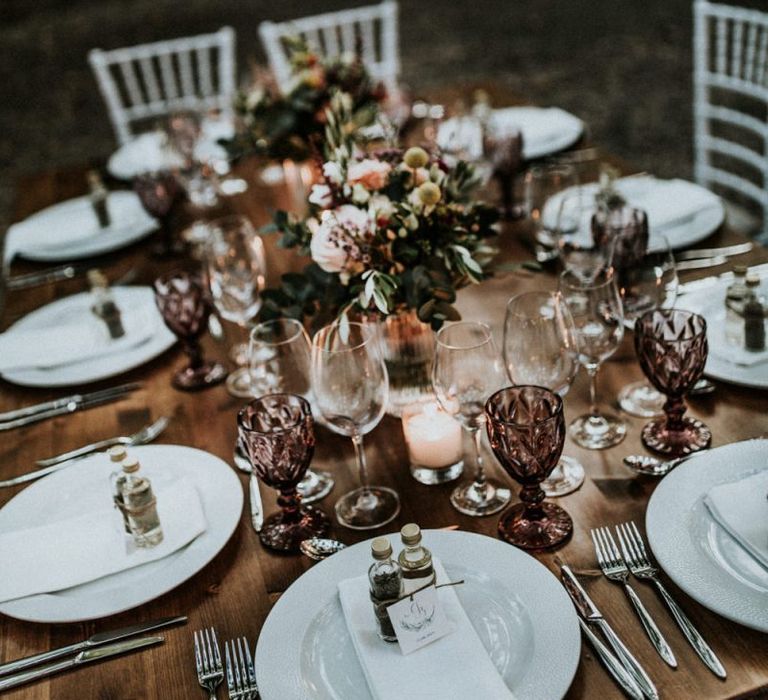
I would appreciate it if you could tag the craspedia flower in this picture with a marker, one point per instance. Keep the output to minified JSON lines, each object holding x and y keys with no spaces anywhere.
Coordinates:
{"x":429,"y":193}
{"x":416,"y":157}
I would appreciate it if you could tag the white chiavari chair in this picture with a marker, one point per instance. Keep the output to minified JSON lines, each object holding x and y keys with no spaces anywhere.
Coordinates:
{"x":731,"y":101}
{"x":333,"y":33}
{"x":151,"y":80}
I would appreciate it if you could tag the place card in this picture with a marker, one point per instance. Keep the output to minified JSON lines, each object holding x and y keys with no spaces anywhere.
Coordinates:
{"x":419,"y":619}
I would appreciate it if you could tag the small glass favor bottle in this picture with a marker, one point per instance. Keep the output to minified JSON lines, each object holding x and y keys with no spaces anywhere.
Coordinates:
{"x":735,"y":296}
{"x":116,"y":456}
{"x":754,"y":317}
{"x":98,"y":196}
{"x":134,"y":497}
{"x":386,"y":580}
{"x":104,"y":305}
{"x":415,"y":560}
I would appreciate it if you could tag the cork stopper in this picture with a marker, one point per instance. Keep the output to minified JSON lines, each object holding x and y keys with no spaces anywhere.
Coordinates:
{"x":381,"y":548}
{"x":131,"y":465}
{"x":410,"y":534}
{"x":740,"y":270}
{"x":753,"y":279}
{"x":96,"y":278}
{"x":117,"y":453}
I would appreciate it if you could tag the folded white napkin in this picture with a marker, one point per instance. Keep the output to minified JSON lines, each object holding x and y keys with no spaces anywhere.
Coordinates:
{"x":72,"y":342}
{"x":456,"y":666}
{"x":719,"y":347}
{"x":741,"y":509}
{"x":63,"y":554}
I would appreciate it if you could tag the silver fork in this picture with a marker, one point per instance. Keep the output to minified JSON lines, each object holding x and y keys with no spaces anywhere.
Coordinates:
{"x":241,"y":675}
{"x":633,"y":548}
{"x":210,"y":671}
{"x":616,"y":570}
{"x":142,"y":437}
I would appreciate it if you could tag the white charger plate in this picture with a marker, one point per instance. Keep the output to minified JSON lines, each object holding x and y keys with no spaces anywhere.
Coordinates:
{"x":69,"y":309}
{"x":694,"y":551}
{"x":700,"y":224}
{"x":518,"y":608}
{"x":710,"y":304}
{"x":70,"y":231}
{"x":85,"y":485}
{"x":147,"y":152}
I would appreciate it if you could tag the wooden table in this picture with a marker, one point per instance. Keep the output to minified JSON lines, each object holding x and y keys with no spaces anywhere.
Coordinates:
{"x":237,"y":589}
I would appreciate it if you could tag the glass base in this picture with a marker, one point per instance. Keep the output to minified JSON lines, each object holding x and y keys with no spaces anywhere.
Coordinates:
{"x":694,"y":436}
{"x":239,"y":383}
{"x":477,"y":501}
{"x":642,"y":400}
{"x":287,"y":536}
{"x":196,"y":378}
{"x":431,"y":476}
{"x":315,"y":486}
{"x":367,"y":508}
{"x":565,"y":478}
{"x":597,"y":432}
{"x":554,"y":528}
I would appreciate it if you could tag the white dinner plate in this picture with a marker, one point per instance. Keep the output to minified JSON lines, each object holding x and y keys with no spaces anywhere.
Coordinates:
{"x":149,"y":152}
{"x":545,"y":130}
{"x":710,"y":304}
{"x":70,"y":231}
{"x":68,"y":310}
{"x":85,"y":485}
{"x":701,"y":211}
{"x":518,"y":608}
{"x":694,"y":551}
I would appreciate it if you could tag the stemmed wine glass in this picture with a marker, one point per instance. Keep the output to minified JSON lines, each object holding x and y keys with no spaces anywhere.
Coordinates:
{"x":280,"y":363}
{"x":671,"y":347}
{"x":183,"y":302}
{"x":467,"y":370}
{"x":159,"y":194}
{"x":351,"y":388}
{"x":526,"y":429}
{"x":236,"y":266}
{"x":277,"y":432}
{"x":541,"y":348}
{"x":578,"y":252}
{"x":542,"y":182}
{"x":599,"y":319}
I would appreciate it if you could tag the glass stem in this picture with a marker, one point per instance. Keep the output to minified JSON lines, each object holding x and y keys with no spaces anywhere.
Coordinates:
{"x":357,"y":441}
{"x":479,"y":471}
{"x":592,"y":371}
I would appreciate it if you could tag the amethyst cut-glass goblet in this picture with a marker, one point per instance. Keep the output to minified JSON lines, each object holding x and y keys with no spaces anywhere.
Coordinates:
{"x":526,"y":429}
{"x":160,"y":194}
{"x":671,"y":346}
{"x":277,"y":433}
{"x":183,"y":301}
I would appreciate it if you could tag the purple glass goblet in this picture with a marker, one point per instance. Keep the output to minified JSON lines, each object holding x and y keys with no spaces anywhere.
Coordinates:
{"x":277,"y":433}
{"x":623,"y":233}
{"x":159,"y":194}
{"x":671,"y":346}
{"x":526,"y":429}
{"x":183,"y":302}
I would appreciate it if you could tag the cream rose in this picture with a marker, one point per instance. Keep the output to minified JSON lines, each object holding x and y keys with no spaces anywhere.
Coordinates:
{"x":321,"y":196}
{"x":334,"y":240}
{"x":372,"y":174}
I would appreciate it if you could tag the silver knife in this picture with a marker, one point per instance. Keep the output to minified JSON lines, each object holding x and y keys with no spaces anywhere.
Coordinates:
{"x":53,"y":274}
{"x":700,"y":263}
{"x":257,"y":510}
{"x":94,"y":641}
{"x":612,"y":664}
{"x":83,"y":657}
{"x":707,"y":282}
{"x":726,"y":250}
{"x":592,"y":615}
{"x":58,"y":403}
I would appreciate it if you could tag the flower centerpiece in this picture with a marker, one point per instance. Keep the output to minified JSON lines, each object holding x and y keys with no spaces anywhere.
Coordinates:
{"x":392,"y":235}
{"x":290,"y":124}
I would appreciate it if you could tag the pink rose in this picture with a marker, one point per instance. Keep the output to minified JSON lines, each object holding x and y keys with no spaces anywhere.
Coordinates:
{"x":334,"y":241}
{"x":372,"y":174}
{"x":321,"y":196}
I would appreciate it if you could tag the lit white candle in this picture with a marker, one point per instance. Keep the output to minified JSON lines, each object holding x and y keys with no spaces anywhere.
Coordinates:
{"x":434,"y":439}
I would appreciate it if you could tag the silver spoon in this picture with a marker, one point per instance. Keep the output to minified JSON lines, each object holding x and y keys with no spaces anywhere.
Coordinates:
{"x":319,"y":548}
{"x":652,"y":466}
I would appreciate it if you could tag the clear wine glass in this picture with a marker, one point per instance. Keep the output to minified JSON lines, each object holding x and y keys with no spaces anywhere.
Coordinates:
{"x":279,"y":439}
{"x":541,"y":183}
{"x":541,"y":348}
{"x":280,"y":364}
{"x":599,"y":319}
{"x":351,"y":388}
{"x":651,"y":283}
{"x":467,"y":370}
{"x":236,"y":268}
